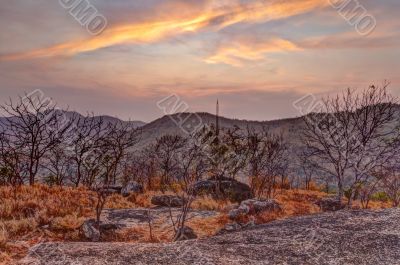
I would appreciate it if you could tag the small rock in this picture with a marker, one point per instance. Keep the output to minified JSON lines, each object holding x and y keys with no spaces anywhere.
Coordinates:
{"x":167,"y":201}
{"x":185,"y":233}
{"x":330,"y":204}
{"x":235,"y":227}
{"x":90,"y":231}
{"x":111,"y":189}
{"x":132,"y":187}
{"x":229,"y":228}
{"x":253,"y":207}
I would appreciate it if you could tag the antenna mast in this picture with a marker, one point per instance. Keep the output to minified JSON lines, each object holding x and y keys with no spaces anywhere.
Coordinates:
{"x":217,"y":119}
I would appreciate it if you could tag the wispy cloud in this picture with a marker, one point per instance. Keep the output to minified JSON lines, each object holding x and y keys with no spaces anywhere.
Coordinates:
{"x":212,"y":17}
{"x":240,"y":51}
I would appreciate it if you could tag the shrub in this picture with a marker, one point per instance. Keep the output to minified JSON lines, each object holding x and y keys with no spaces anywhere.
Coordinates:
{"x":380,"y":196}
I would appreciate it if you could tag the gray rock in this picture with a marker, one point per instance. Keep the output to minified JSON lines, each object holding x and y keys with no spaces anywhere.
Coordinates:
{"x":185,"y":233}
{"x":167,"y":201}
{"x":111,"y":189}
{"x":223,"y":188}
{"x":90,"y":231}
{"x":229,"y":228}
{"x":132,"y":187}
{"x":252,"y":207}
{"x":362,"y":237}
{"x":344,"y":237}
{"x":330,"y":204}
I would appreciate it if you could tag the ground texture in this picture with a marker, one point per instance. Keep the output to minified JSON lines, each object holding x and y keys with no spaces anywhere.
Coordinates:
{"x":345,"y":237}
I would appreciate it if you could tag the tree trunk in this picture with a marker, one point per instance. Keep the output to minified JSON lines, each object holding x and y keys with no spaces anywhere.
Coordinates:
{"x":340,"y":192}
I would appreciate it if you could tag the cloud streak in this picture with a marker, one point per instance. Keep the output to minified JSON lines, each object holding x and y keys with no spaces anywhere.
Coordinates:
{"x":239,"y":51}
{"x":212,"y":17}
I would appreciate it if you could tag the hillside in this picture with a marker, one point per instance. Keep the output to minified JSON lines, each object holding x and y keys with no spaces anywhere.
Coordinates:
{"x":168,"y":125}
{"x":327,"y":238}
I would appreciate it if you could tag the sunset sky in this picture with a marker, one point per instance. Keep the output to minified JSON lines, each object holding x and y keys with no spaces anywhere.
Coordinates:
{"x":256,"y":57}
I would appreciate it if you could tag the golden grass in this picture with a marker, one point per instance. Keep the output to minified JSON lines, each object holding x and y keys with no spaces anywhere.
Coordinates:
{"x":30,"y":214}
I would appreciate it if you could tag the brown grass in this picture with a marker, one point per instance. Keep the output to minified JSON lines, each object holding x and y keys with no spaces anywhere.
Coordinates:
{"x":31,"y":214}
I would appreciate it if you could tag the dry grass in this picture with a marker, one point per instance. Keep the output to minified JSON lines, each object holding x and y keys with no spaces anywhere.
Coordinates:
{"x":31,"y":214}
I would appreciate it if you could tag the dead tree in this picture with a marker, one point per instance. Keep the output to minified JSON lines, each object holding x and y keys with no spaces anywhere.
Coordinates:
{"x":35,"y":126}
{"x":267,"y":161}
{"x":59,"y":164}
{"x":348,"y":137}
{"x":120,"y":137}
{"x":83,"y":142}
{"x":167,"y":151}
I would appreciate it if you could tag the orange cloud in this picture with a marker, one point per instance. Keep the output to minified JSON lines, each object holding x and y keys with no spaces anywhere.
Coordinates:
{"x":234,"y":54}
{"x":156,"y":30}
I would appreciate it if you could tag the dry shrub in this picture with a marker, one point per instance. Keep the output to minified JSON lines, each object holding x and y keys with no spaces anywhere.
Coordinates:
{"x":5,"y":258}
{"x":205,"y":227}
{"x":207,"y":203}
{"x":20,"y":227}
{"x":68,"y":222}
{"x":116,"y":201}
{"x":3,"y":237}
{"x":26,"y":210}
{"x":144,"y":199}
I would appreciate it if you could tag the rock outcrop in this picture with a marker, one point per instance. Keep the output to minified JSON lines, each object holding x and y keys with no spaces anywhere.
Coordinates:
{"x":253,"y":207}
{"x":132,"y":187}
{"x":167,"y":201}
{"x":223,"y":188}
{"x":330,"y":204}
{"x":185,"y":233}
{"x":343,"y":237}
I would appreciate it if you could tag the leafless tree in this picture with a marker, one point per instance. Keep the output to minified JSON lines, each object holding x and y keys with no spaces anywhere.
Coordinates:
{"x":267,"y":161}
{"x":83,"y":142}
{"x":34,"y":126}
{"x":391,"y":185}
{"x":141,"y":166}
{"x":167,"y":150}
{"x":120,"y":137}
{"x":351,"y":135}
{"x":14,"y":167}
{"x":59,"y":164}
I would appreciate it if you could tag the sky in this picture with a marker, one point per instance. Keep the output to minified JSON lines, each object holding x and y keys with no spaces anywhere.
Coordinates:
{"x":256,"y":57}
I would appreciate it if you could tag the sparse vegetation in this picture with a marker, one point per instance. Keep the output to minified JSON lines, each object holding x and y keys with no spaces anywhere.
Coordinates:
{"x":74,"y":175}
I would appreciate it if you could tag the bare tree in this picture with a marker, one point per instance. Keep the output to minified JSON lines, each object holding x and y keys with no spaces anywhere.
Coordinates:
{"x":167,"y":151}
{"x":35,"y":126}
{"x":83,"y":142}
{"x":267,"y":161}
{"x":351,"y":135}
{"x":59,"y":164}
{"x":391,"y":185}
{"x":141,"y":166}
{"x":14,"y":167}
{"x":120,"y":137}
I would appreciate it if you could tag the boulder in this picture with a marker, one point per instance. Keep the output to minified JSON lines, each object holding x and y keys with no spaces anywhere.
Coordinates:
{"x":90,"y":231}
{"x":111,"y":189}
{"x":253,"y":207}
{"x":185,"y":233}
{"x":330,"y":204}
{"x":167,"y":201}
{"x":132,"y":187}
{"x":223,"y":188}
{"x":229,"y":228}
{"x":234,"y":227}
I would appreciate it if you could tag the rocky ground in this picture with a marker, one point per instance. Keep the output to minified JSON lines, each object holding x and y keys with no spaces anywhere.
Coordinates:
{"x":344,"y":237}
{"x":140,"y":216}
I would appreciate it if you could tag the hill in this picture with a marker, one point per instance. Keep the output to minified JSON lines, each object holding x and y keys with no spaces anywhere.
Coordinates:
{"x":170,"y":124}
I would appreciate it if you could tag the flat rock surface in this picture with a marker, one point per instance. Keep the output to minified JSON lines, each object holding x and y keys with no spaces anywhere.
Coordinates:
{"x":344,"y":237}
{"x":140,"y":216}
